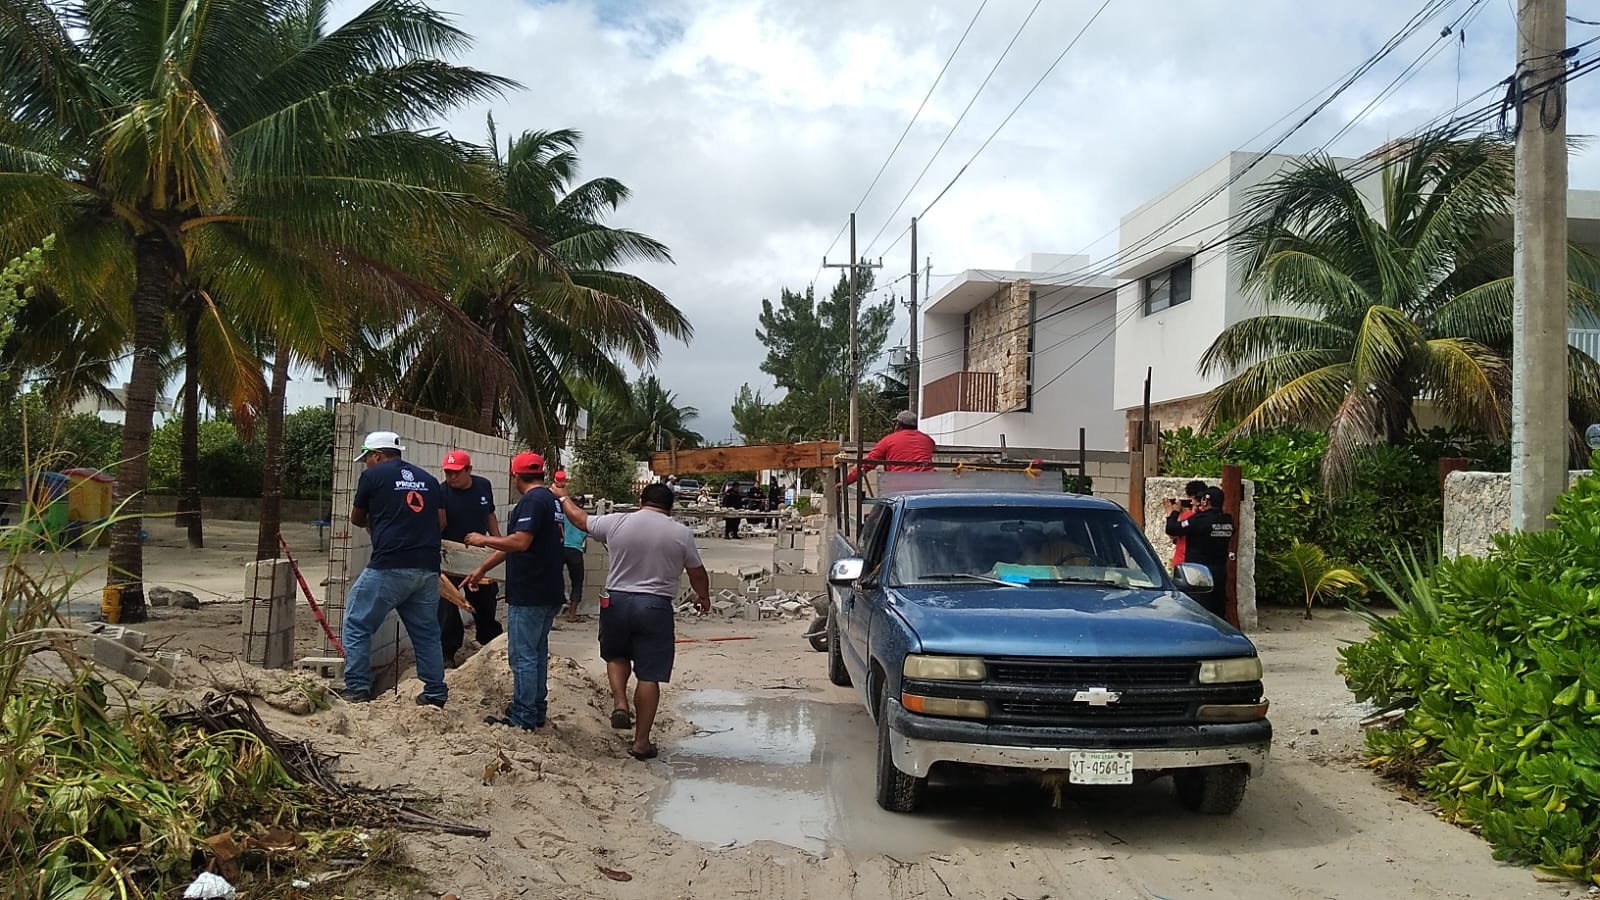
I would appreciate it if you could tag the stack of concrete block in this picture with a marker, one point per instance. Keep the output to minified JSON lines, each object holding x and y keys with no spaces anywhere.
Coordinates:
{"x":114,"y":649}
{"x":268,"y":615}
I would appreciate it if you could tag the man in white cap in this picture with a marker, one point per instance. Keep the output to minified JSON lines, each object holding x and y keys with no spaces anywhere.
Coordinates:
{"x":400,"y":504}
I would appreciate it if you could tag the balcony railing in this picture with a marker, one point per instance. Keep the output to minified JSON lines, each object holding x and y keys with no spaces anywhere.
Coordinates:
{"x":962,"y":392}
{"x":1585,"y":339}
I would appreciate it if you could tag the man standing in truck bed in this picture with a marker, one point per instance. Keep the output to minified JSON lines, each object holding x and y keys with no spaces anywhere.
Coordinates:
{"x":905,"y":444}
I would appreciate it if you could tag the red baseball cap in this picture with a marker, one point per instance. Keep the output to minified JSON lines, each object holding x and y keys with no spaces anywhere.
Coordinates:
{"x":527,"y":464}
{"x":456,"y":460}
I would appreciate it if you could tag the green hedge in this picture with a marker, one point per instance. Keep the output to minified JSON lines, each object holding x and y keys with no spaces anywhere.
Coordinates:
{"x":1394,"y":500}
{"x":230,"y":466}
{"x":53,"y":441}
{"x":1494,"y":661}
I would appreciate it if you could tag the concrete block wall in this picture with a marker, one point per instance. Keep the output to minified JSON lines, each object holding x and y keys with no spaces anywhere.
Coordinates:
{"x":1477,"y":506}
{"x":1158,"y":489}
{"x":425,"y":443}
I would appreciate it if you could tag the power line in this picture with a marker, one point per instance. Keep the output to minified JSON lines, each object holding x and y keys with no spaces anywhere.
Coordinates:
{"x":1059,"y":57}
{"x":914,"y":116}
{"x":957,"y":124}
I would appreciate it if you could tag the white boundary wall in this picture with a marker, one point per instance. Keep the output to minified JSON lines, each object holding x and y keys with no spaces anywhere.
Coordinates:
{"x":349,"y":548}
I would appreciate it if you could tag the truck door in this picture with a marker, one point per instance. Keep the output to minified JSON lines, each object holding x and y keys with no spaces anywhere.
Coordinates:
{"x":867,"y":594}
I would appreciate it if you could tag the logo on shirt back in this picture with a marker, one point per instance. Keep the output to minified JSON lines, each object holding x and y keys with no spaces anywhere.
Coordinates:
{"x":406,"y":474}
{"x":414,"y":500}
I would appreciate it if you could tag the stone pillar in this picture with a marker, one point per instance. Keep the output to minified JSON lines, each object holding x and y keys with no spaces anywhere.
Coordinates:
{"x":268,"y":615}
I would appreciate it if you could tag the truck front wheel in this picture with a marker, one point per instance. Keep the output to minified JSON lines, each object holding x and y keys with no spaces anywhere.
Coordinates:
{"x":1213,"y":790}
{"x":897,"y":791}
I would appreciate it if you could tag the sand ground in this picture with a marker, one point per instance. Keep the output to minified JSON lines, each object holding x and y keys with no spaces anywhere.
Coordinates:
{"x":764,"y":784}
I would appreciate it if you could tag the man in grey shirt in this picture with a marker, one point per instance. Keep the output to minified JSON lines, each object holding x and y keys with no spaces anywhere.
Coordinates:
{"x":649,"y":552}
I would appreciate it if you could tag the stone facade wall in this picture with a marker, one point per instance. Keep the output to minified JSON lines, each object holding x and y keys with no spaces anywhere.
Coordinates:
{"x":1186,"y":413}
{"x":1158,"y":489}
{"x":1477,"y":506}
{"x":999,"y":342}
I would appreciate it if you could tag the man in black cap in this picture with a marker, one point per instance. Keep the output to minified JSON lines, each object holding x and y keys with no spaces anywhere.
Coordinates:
{"x":1208,"y":535}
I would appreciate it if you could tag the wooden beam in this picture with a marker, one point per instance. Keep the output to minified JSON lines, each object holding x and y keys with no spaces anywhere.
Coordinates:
{"x":750,"y":458}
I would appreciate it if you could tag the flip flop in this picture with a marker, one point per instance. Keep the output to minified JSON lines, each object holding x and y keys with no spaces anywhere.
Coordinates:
{"x":621,"y":718}
{"x":651,"y":753}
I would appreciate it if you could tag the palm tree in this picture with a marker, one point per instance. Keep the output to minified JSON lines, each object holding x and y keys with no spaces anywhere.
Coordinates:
{"x":563,"y":315}
{"x":650,"y":420}
{"x":169,"y":143}
{"x":1372,"y":311}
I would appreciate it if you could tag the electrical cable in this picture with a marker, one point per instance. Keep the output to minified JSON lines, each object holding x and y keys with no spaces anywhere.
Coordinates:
{"x":957,"y":124}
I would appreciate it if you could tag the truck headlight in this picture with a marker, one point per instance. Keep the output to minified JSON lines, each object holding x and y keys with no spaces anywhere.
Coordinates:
{"x":944,"y":668}
{"x":1227,"y":671}
{"x":945,"y":706}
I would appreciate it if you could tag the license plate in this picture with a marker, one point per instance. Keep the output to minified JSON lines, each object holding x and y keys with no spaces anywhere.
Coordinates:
{"x":1100,"y":767}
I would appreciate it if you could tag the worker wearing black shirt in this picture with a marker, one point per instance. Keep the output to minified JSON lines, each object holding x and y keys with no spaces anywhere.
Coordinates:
{"x":1208,"y":535}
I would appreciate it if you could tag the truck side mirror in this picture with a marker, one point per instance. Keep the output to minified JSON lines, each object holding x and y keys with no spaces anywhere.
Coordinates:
{"x":846,"y":572}
{"x":1193,"y":578}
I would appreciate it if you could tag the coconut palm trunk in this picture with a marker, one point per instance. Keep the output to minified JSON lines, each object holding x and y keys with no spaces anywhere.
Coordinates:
{"x":152,"y":289}
{"x":272,"y":457}
{"x":189,"y":512}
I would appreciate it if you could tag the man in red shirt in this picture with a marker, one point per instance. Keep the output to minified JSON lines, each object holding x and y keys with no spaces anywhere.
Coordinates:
{"x":1180,"y":544}
{"x":903,"y":445}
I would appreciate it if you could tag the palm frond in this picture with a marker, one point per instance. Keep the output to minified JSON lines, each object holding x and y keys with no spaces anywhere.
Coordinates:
{"x":1251,"y":340}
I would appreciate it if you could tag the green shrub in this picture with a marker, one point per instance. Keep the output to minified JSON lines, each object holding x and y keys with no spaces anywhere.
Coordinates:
{"x":1393,"y":500}
{"x":80,"y":440}
{"x":229,"y":466}
{"x":1494,"y":662}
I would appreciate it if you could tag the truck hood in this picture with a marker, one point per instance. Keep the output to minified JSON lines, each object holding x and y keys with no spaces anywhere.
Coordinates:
{"x":1077,"y":620}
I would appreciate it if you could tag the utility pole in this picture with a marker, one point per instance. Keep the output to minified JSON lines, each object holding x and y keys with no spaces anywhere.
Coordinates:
{"x":855,"y":320}
{"x":1539,"y":314}
{"x":914,"y":360}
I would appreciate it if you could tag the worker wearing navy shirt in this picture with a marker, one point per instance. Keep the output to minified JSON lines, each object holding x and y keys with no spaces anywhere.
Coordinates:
{"x":468,"y":507}
{"x":399,"y":503}
{"x":532,"y":553}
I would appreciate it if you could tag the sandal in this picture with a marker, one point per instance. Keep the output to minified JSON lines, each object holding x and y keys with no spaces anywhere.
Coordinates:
{"x":621,"y":718}
{"x":651,"y":753}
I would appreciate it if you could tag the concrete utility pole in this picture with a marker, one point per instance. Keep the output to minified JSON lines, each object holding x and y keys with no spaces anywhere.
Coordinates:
{"x":1539,"y":317}
{"x":855,"y":320}
{"x":914,"y":362}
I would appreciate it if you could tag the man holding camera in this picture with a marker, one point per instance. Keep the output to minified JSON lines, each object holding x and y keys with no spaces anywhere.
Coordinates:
{"x":1207,"y":537}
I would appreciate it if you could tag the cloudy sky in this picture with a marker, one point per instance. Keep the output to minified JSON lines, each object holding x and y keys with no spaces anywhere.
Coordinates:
{"x":749,"y":129}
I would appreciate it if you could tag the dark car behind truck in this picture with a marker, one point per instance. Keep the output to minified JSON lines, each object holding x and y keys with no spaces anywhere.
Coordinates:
{"x":1037,"y":632}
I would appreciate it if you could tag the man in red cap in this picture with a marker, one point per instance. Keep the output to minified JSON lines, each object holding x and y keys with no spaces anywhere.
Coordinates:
{"x":532,"y":554}
{"x":468,"y":507}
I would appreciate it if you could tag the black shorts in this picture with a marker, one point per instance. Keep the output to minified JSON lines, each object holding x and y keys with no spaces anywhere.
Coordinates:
{"x":639,"y":628}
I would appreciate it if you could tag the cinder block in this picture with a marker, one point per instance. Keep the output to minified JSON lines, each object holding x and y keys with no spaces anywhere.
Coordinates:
{"x":268,"y":578}
{"x":329,"y":667}
{"x":270,"y":651}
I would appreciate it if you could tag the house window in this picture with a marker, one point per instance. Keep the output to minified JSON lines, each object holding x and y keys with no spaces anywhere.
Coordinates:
{"x":1168,"y":287}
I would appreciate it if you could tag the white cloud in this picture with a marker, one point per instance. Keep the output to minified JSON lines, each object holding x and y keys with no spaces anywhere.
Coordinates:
{"x":749,"y":128}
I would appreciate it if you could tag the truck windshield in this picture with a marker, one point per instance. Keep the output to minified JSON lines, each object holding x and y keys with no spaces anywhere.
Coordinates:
{"x":1024,"y":546}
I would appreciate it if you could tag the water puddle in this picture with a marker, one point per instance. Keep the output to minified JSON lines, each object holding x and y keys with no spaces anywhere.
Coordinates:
{"x":802,"y":773}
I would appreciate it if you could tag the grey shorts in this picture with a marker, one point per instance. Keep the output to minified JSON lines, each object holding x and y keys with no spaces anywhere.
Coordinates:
{"x":639,"y":628}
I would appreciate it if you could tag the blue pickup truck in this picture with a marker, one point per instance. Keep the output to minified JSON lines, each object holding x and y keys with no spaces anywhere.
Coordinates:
{"x":1038,"y":632}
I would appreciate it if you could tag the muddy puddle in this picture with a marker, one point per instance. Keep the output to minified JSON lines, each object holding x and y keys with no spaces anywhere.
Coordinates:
{"x":801,"y":772}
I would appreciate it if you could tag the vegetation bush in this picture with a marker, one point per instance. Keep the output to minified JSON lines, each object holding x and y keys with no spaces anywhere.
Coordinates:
{"x":81,"y":441}
{"x":1393,"y":498}
{"x":1493,"y":661}
{"x":230,"y":466}
{"x":604,"y":469}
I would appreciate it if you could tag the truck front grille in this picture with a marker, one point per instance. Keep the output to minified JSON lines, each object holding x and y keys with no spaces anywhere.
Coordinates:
{"x":1113,"y":674}
{"x":1070,"y":713}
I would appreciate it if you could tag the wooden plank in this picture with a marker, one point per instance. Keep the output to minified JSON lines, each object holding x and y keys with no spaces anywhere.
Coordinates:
{"x":748,"y":458}
{"x":460,"y":560}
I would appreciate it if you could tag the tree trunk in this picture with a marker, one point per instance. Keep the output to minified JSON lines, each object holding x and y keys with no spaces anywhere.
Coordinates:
{"x":189,"y":512}
{"x":272,"y":462}
{"x":152,"y":293}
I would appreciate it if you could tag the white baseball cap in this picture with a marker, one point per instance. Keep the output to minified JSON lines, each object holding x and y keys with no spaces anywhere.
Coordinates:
{"x":379,"y":440}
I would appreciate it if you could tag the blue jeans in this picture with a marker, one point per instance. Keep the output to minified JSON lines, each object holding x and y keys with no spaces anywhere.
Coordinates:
{"x":528,"y":646}
{"x":414,"y":595}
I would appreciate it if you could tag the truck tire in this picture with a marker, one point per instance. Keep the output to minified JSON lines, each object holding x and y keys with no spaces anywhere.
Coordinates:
{"x":1213,"y":790}
{"x":837,"y":673}
{"x":897,"y":791}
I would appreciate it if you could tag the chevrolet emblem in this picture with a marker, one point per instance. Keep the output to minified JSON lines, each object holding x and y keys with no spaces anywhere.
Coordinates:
{"x":1098,"y":696}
